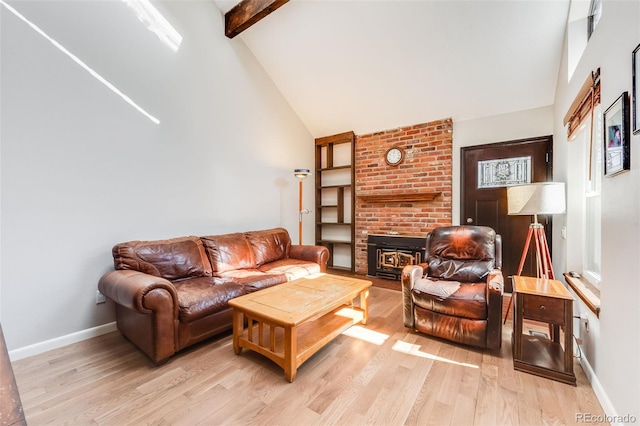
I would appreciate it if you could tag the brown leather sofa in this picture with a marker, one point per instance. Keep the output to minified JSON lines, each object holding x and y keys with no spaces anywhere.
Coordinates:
{"x":170,"y":294}
{"x":457,"y":293}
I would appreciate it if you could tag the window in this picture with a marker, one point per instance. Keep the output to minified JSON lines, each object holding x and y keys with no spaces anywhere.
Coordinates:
{"x":592,"y":182}
{"x":595,"y":12}
{"x":584,"y":16}
{"x":584,"y":176}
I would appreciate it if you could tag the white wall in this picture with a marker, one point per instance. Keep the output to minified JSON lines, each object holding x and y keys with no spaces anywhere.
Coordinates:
{"x":82,"y":170}
{"x":614,"y":340}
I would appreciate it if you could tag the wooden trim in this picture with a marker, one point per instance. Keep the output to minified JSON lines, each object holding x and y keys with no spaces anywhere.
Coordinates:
{"x":346,"y":137}
{"x":246,"y":13}
{"x":399,"y":198}
{"x":586,"y":292}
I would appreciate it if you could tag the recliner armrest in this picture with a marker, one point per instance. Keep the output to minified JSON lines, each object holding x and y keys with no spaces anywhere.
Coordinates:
{"x":495,"y":281}
{"x":410,"y":274}
{"x":317,"y":254}
{"x":495,"y":288}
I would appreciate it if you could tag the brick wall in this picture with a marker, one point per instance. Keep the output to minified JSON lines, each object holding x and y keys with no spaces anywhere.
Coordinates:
{"x":427,"y":166}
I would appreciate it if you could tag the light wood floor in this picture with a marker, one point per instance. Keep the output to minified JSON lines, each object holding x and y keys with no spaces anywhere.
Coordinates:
{"x":405,"y":378}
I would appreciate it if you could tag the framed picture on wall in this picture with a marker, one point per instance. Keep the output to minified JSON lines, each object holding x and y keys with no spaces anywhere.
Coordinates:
{"x":635,"y":92}
{"x":616,"y":136}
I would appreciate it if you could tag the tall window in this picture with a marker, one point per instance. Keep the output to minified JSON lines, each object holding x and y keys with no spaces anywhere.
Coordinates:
{"x":593,"y":179}
{"x":584,"y":177}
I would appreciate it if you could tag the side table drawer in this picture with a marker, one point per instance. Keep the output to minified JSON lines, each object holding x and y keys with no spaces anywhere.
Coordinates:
{"x":542,"y":308}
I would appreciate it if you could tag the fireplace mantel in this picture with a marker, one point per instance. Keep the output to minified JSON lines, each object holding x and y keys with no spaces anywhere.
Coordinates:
{"x":405,"y":197}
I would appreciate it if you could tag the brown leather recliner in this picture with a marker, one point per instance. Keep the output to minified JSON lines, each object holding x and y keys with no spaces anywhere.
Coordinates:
{"x":457,"y":293}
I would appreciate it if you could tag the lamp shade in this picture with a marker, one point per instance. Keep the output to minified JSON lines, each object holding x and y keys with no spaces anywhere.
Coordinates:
{"x":536,"y":198}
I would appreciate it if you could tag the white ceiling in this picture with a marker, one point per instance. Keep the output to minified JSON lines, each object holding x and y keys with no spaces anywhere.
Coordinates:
{"x":374,"y":65}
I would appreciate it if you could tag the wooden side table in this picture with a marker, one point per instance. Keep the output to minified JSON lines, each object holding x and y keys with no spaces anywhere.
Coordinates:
{"x":550,"y":302}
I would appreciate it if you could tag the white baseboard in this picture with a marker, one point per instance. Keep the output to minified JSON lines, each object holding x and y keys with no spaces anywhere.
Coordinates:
{"x":59,"y":342}
{"x":607,"y":406}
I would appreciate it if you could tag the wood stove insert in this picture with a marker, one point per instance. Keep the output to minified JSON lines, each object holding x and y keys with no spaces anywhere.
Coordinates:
{"x":388,"y":254}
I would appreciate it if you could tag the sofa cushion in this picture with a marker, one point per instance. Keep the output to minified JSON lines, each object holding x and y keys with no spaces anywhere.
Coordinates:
{"x":469,"y":301}
{"x":252,"y":279}
{"x":269,"y":245}
{"x":292,"y":268}
{"x":172,"y":259}
{"x":229,"y":252}
{"x":199,"y":297}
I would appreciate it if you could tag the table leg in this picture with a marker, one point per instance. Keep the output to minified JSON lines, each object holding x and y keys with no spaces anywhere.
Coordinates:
{"x":364,"y":305}
{"x":290,"y":353}
{"x":238,"y":326}
{"x":554,"y":329}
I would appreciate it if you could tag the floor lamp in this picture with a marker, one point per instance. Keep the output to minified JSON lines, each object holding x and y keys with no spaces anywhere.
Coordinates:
{"x":534,"y":199}
{"x":300,"y":174}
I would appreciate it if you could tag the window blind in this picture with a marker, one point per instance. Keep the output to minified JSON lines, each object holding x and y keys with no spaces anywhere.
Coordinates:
{"x":582,"y":107}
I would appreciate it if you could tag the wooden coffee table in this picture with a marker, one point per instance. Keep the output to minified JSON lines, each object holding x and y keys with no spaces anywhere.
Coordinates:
{"x":290,"y":322}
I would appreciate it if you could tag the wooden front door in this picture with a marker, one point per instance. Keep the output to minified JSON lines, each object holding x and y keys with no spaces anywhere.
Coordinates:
{"x":487,"y":170}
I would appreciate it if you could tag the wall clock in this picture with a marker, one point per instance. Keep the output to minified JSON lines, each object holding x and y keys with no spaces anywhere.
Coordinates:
{"x":394,"y":156}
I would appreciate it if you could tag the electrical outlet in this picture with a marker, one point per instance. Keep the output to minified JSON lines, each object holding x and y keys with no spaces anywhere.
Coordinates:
{"x":585,"y":318}
{"x":100,"y":298}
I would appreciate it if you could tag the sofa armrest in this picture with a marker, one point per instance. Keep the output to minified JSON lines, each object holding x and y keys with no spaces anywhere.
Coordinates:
{"x":495,"y":288}
{"x":146,"y":311}
{"x":410,"y":274}
{"x":317,"y":254}
{"x":129,"y":288}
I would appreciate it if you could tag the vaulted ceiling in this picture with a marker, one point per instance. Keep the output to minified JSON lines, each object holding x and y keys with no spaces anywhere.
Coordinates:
{"x":373,"y":65}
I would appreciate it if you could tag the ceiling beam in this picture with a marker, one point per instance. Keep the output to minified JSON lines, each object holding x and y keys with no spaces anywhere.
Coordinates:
{"x":246,"y":13}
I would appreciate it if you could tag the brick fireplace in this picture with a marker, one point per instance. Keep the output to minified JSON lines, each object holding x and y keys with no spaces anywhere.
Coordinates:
{"x":409,"y":199}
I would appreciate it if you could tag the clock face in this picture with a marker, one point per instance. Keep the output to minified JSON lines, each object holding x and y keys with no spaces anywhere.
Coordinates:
{"x":394,"y":156}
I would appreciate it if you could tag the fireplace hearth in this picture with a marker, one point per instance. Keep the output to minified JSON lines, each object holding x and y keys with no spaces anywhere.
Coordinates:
{"x":388,"y":254}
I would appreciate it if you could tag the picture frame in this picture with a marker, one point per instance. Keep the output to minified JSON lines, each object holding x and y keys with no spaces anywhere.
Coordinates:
{"x":616,"y":136}
{"x":635,"y":92}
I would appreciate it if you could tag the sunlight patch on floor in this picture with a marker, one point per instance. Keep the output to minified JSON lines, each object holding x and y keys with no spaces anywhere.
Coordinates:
{"x":370,"y":336}
{"x":411,"y":349}
{"x":355,"y":314}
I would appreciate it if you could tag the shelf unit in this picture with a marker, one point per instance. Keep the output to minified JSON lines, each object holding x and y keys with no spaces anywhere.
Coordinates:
{"x":335,"y":198}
